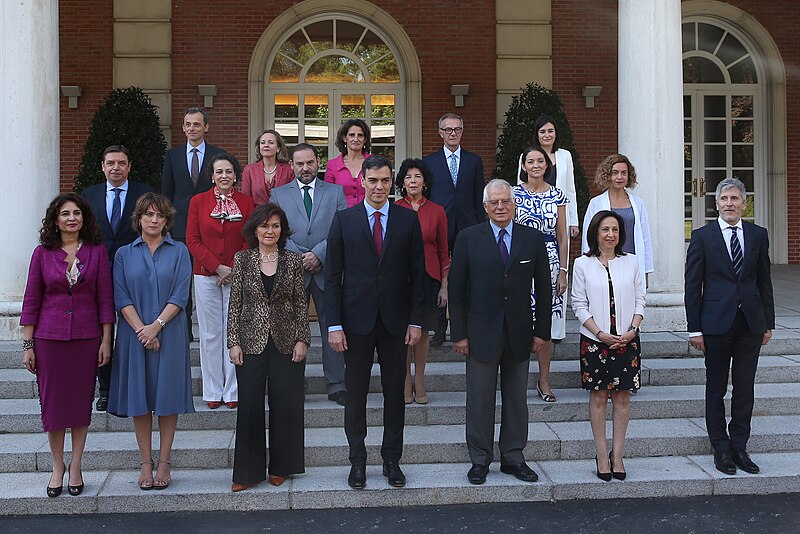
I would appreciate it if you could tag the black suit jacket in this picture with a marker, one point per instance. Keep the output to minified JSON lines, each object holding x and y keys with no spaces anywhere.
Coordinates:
{"x":484,"y":293}
{"x":359,"y":285}
{"x":176,"y":184}
{"x":125,"y":234}
{"x":712,"y":292}
{"x":463,"y":203}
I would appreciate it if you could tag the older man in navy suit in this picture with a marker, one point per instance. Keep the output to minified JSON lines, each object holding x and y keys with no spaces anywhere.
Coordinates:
{"x":730,"y":314}
{"x":112,"y":203}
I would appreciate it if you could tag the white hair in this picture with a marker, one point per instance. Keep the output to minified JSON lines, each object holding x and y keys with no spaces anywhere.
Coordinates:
{"x":728,"y":183}
{"x":496,"y":184}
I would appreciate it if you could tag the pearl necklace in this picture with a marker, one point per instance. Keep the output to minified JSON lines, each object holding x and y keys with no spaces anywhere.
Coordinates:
{"x":275,"y":168}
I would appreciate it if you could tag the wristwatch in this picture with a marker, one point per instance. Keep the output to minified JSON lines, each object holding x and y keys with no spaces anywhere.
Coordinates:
{"x":634,"y":328}
{"x":161,"y":322}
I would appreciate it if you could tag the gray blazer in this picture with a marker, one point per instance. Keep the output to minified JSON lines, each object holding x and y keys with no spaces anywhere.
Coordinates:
{"x":310,"y":235}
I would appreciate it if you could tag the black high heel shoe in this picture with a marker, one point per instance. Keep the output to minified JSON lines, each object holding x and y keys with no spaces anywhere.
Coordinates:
{"x":605,"y":477}
{"x":55,"y":492}
{"x":75,"y":490}
{"x":619,"y":475}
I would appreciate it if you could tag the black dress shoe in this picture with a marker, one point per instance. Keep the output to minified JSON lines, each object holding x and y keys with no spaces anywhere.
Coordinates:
{"x":102,"y":404}
{"x":521,"y":471}
{"x":742,"y":460}
{"x":724,"y":463}
{"x":358,"y":476}
{"x":392,"y":471}
{"x":338,"y":397}
{"x":477,"y":474}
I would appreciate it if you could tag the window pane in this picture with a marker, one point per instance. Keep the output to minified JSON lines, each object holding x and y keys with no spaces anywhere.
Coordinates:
{"x":354,"y":107}
{"x":286,"y":106}
{"x":687,"y":131}
{"x":288,"y":130}
{"x":746,"y":176}
{"x":347,"y":34}
{"x":371,"y":48}
{"x":387,"y":151}
{"x":382,"y":106}
{"x":714,"y":106}
{"x":296,"y":47}
{"x":731,"y":50}
{"x":382,"y":131}
{"x":742,"y":131}
{"x":687,"y":180}
{"x":711,"y":205}
{"x":321,"y":34}
{"x":334,"y":69}
{"x":701,"y":70}
{"x":708,"y":37}
{"x":715,"y":156}
{"x":316,"y":132}
{"x":687,"y":156}
{"x":284,"y":71}
{"x":742,"y":155}
{"x":714,"y":131}
{"x":714,"y":177}
{"x":744,"y":72}
{"x":749,"y":208}
{"x":687,"y":106}
{"x":315,"y":106}
{"x":385,"y":71}
{"x":742,"y":106}
{"x":687,"y":33}
{"x":687,"y":230}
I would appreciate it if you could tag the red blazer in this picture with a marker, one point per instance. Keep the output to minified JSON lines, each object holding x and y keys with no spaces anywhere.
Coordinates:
{"x":61,"y":312}
{"x":433,"y":221}
{"x":213,"y":242}
{"x":253,"y":184}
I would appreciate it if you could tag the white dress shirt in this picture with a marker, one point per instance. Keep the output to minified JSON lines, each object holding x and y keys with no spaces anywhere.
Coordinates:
{"x":110,"y":197}
{"x":201,"y":152}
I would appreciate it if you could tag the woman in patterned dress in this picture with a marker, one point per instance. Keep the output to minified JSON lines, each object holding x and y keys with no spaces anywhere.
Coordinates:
{"x":608,"y":300}
{"x":542,"y":206}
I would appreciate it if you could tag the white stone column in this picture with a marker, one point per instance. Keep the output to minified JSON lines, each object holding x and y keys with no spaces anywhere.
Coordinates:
{"x":29,"y":141}
{"x":651,"y":135}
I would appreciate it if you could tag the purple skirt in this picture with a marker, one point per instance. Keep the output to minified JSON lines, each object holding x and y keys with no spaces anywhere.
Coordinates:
{"x":65,"y":373}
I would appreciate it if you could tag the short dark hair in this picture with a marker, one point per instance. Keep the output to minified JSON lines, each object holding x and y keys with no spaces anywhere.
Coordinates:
{"x":50,"y":235}
{"x":116,"y":148}
{"x":201,"y":111}
{"x":304,"y":146}
{"x":342,"y":133}
{"x":541,"y":121}
{"x":375,"y":161}
{"x":157,"y":201}
{"x":594,"y":226}
{"x":407,"y":165}
{"x":262,"y":213}
{"x":282,"y":155}
{"x":523,"y":175}
{"x":224,"y":156}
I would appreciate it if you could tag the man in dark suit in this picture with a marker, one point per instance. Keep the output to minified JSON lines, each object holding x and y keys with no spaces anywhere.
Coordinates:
{"x":730,"y":314}
{"x":494,"y":267}
{"x":185,"y":174}
{"x":310,"y":205}
{"x":457,"y":186}
{"x":374,"y":300}
{"x":113,"y":203}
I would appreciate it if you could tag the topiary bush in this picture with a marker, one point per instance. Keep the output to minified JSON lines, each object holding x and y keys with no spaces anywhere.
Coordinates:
{"x":127,"y":117}
{"x":525,"y":108}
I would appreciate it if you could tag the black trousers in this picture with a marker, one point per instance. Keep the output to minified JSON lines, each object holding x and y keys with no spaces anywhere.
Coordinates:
{"x":742,"y":347}
{"x":358,"y":361}
{"x":284,"y":381}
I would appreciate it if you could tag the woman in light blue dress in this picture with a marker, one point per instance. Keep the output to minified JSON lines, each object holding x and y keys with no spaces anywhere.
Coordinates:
{"x":151,"y":371}
{"x":542,"y":206}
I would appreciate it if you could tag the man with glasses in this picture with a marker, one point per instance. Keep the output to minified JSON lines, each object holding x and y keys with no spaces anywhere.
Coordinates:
{"x":457,"y":186}
{"x":494,"y":266}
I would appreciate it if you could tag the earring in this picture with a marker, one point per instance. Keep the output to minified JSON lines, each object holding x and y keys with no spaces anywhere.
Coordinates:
{"x":424,"y":189}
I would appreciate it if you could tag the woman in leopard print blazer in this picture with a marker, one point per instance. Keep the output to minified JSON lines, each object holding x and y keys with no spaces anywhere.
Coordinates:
{"x":268,"y":337}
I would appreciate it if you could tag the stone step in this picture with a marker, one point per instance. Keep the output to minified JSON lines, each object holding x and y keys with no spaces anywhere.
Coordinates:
{"x":444,"y":408}
{"x":450,"y":376}
{"x":212,"y":449}
{"x":428,"y":484}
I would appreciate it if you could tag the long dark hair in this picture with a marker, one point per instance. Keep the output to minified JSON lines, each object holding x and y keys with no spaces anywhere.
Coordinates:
{"x":50,"y":235}
{"x":341,"y":144}
{"x":594,"y":227}
{"x":523,"y":174}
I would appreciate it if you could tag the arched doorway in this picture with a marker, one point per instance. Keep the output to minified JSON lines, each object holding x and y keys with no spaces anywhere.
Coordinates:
{"x":324,"y":62}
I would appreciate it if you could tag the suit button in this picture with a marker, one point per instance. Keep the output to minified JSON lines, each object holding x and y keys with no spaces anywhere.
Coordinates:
{"x":505,"y":298}
{"x":69,"y":293}
{"x":69,"y":312}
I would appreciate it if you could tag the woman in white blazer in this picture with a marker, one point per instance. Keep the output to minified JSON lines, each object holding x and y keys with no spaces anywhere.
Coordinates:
{"x":608,"y":300}
{"x":616,"y":175}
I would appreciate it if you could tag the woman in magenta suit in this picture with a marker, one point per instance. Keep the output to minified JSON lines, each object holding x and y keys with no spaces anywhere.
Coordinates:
{"x":413,"y":182}
{"x":67,"y":319}
{"x":270,"y":169}
{"x":353,"y":141}
{"x":214,"y":235}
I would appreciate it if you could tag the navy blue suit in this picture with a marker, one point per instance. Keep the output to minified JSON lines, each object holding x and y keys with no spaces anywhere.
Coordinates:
{"x":374,"y":299}
{"x":733,"y":314}
{"x":463,"y":203}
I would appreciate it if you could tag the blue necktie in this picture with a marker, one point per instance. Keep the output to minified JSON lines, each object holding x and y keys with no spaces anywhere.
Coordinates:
{"x":453,"y":169}
{"x":501,"y":244}
{"x":736,"y":252}
{"x":116,"y":210}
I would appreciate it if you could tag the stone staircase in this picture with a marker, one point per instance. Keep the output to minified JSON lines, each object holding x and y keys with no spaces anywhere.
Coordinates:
{"x":667,"y":451}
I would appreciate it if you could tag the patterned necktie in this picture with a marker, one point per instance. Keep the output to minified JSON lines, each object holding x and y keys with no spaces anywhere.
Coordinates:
{"x":501,"y":244}
{"x":307,"y":200}
{"x":116,"y":209}
{"x":453,"y":169}
{"x":736,"y":252}
{"x":195,"y":174}
{"x":377,"y":232}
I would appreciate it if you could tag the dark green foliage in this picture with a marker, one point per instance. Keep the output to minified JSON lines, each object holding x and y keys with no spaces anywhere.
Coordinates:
{"x":128,"y":117}
{"x":518,"y":133}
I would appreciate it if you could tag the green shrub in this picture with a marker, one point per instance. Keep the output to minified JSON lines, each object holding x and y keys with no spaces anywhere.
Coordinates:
{"x":127,"y":117}
{"x":517,"y":134}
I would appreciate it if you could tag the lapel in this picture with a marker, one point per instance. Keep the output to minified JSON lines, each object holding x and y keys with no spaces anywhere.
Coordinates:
{"x":319,"y":193}
{"x":750,"y":246}
{"x":365,"y":228}
{"x":491,"y":245}
{"x":461,"y":167}
{"x":127,"y":210}
{"x":390,"y":228}
{"x":98,"y":203}
{"x":297,"y":200}
{"x":517,"y":244}
{"x":722,"y":249}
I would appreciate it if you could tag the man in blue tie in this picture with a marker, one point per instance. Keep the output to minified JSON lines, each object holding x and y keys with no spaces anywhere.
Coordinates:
{"x":112,"y":203}
{"x":730,"y":314}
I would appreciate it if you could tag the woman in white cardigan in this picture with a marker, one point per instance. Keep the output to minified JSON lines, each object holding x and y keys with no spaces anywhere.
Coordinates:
{"x":608,"y":300}
{"x":616,"y":175}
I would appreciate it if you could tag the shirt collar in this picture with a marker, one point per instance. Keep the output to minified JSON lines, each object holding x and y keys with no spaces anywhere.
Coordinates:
{"x":448,"y":152}
{"x":724,"y":226}
{"x":370,"y":210}
{"x":301,"y":185}
{"x":110,"y":186}
{"x":496,"y":229}
{"x":201,"y":148}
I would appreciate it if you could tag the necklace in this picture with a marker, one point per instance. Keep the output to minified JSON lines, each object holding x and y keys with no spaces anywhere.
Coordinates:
{"x":269,"y":257}
{"x":272,"y":171}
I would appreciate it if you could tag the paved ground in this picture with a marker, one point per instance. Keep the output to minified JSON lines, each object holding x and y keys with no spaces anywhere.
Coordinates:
{"x":770,"y":514}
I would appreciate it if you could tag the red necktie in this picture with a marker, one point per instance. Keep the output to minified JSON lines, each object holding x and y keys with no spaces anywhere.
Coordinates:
{"x":377,"y":232}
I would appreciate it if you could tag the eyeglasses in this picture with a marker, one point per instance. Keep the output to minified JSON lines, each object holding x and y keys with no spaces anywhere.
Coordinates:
{"x":451,"y":131}
{"x":501,"y":202}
